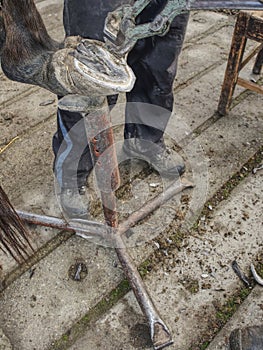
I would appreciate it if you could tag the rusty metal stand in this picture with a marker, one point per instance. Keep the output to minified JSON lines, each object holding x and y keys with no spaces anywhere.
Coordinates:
{"x":101,"y":141}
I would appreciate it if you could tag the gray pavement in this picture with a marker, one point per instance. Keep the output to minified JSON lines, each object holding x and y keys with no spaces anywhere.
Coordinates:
{"x":4,"y":342}
{"x":249,"y":314}
{"x":190,"y":278}
{"x":206,"y":261}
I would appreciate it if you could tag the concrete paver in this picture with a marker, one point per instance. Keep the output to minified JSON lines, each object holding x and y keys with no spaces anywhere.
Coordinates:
{"x":231,"y":140}
{"x":4,"y":342}
{"x":38,"y":310}
{"x":234,"y":230}
{"x":19,"y":167}
{"x":203,"y":24}
{"x":249,"y":314}
{"x":32,"y":114}
{"x":57,"y":308}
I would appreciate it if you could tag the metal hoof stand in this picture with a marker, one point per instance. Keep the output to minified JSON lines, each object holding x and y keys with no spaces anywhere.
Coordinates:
{"x":101,"y":142}
{"x":102,"y":146}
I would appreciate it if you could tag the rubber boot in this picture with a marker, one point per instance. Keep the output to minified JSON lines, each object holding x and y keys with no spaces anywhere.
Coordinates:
{"x":250,"y":338}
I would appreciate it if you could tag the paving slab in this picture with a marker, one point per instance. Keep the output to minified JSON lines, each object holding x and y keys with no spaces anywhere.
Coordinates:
{"x":221,"y":150}
{"x":20,"y":335}
{"x":191,"y":283}
{"x":203,"y":24}
{"x":231,"y":140}
{"x":203,"y":53}
{"x":249,"y":314}
{"x":205,"y":93}
{"x":52,"y":15}
{"x":4,"y":341}
{"x":16,"y":120}
{"x":28,"y":158}
{"x":28,"y":181}
{"x":38,"y":310}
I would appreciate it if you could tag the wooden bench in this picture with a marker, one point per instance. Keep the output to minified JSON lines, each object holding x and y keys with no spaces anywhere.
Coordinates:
{"x":249,"y":25}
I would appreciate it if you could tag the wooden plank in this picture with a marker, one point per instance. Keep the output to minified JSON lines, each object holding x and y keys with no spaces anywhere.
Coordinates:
{"x":251,"y":55}
{"x":250,"y":85}
{"x":255,"y":29}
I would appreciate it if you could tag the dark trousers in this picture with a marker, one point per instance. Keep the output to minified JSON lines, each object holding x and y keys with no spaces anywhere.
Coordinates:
{"x":154,"y":62}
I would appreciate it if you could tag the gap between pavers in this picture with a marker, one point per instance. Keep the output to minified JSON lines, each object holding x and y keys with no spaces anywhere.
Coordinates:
{"x":192,"y":282}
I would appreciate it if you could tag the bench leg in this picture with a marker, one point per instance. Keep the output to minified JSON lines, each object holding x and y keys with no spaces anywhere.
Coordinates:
{"x":258,"y":63}
{"x":233,"y":65}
